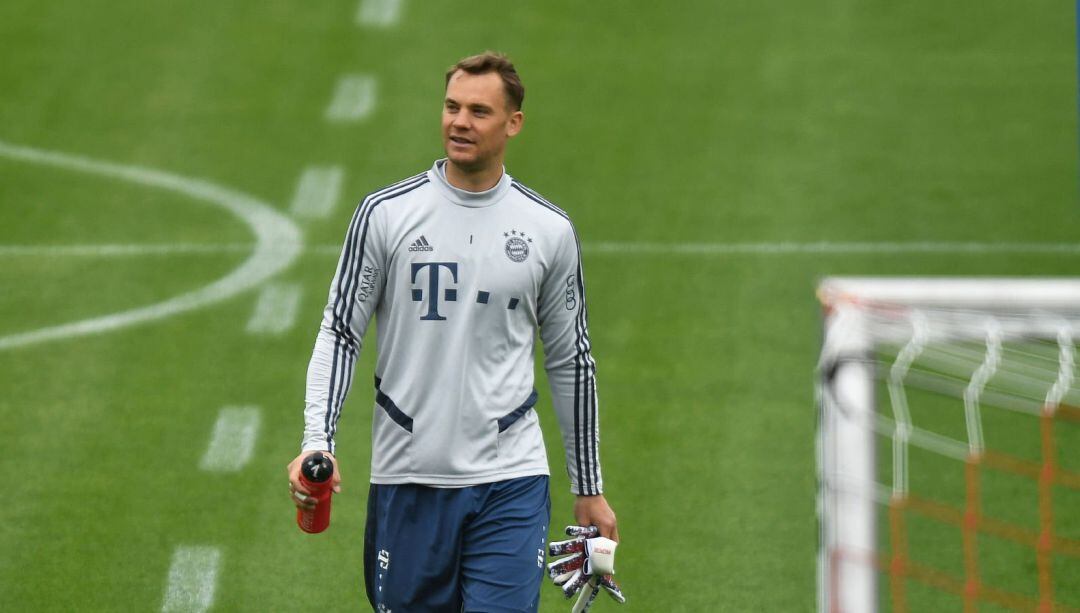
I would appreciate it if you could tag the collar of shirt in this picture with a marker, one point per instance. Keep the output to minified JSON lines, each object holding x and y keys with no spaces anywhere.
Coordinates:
{"x":464,"y":197}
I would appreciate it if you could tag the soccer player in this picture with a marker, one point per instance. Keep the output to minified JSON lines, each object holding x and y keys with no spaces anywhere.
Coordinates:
{"x":461,"y":265}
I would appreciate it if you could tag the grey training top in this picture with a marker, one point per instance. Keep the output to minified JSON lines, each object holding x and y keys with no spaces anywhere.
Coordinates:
{"x":460,"y":282}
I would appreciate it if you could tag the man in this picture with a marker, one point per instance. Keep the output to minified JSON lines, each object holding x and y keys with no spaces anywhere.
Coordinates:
{"x":462,"y":265}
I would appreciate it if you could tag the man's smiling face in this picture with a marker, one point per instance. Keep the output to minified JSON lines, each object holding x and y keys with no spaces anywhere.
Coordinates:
{"x":477,"y":120}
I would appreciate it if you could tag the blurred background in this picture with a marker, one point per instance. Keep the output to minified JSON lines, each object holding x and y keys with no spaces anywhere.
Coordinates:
{"x":179,"y":176}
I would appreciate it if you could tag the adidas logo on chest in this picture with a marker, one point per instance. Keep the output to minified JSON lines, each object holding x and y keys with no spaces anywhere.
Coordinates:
{"x":421,"y":244}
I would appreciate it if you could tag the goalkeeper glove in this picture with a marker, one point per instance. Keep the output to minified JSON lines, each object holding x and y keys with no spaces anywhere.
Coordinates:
{"x":588,"y":565}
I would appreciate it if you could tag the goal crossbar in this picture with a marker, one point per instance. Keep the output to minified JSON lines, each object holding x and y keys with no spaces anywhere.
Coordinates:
{"x":1002,"y":293}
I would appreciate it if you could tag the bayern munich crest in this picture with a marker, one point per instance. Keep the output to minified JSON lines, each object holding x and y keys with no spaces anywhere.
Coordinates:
{"x":517,"y":245}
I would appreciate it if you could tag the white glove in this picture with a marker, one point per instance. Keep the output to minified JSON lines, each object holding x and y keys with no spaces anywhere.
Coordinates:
{"x":589,"y":563}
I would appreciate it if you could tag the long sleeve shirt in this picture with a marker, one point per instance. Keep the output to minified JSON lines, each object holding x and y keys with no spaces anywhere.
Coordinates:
{"x":459,"y":283}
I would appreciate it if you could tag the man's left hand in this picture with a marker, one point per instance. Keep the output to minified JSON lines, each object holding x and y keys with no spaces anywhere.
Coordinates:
{"x":595,"y":511}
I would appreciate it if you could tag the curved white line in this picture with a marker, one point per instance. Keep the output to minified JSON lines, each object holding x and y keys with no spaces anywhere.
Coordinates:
{"x":277,"y":243}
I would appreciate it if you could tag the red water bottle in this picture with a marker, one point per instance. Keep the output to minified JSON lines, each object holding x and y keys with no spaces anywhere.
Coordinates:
{"x":315,"y":475}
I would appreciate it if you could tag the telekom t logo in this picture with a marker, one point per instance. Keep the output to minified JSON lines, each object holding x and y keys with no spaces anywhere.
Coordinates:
{"x":449,"y":294}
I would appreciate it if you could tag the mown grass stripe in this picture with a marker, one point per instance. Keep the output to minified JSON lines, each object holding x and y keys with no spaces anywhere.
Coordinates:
{"x":275,"y":309}
{"x":317,"y":192}
{"x":233,"y":441}
{"x":192,"y":579}
{"x":354,"y":98}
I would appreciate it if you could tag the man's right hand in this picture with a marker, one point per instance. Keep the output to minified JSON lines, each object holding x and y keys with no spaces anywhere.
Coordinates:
{"x":297,"y":492}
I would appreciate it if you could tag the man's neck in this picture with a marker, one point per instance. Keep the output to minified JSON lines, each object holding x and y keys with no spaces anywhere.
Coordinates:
{"x":473,"y":180}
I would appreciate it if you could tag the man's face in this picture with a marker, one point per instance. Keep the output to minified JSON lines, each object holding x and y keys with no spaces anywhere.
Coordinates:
{"x":477,"y":120}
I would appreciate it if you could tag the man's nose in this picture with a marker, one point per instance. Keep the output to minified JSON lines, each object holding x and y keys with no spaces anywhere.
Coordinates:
{"x":461,"y":120}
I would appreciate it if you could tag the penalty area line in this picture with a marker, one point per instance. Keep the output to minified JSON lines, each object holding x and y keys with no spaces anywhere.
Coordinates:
{"x":378,"y":13}
{"x":233,"y":442}
{"x":354,"y":98}
{"x":275,"y":309}
{"x":192,"y":579}
{"x":317,"y":192}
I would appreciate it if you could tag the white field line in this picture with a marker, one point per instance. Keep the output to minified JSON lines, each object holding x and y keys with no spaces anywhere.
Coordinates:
{"x":317,"y":192}
{"x":379,"y":13}
{"x":275,"y":309}
{"x":277,"y":243}
{"x":354,"y":98}
{"x":123,"y":250}
{"x":233,"y":442}
{"x":828,"y":248}
{"x":599,"y":248}
{"x":192,"y":579}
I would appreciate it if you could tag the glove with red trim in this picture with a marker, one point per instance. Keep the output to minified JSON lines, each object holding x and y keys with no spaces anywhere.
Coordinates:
{"x":588,"y":564}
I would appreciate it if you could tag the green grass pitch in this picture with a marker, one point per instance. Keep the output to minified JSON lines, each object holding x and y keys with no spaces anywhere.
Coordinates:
{"x":660,"y":123}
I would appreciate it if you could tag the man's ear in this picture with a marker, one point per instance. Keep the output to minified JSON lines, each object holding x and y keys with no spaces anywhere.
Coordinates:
{"x":513,"y":126}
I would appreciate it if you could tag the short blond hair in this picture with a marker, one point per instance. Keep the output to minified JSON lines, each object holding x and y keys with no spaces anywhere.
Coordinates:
{"x":493,"y":61}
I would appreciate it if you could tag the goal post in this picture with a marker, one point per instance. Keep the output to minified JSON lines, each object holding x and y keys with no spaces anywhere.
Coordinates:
{"x":978,"y":345}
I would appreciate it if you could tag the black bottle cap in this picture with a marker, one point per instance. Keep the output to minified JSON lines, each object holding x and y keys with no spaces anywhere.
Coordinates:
{"x":317,"y":468}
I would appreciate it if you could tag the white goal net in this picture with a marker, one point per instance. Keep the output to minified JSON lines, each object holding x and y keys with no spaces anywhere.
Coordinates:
{"x":949,"y":445}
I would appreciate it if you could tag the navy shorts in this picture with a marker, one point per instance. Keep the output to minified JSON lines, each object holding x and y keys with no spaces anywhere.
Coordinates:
{"x":443,"y":550}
